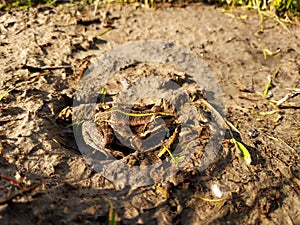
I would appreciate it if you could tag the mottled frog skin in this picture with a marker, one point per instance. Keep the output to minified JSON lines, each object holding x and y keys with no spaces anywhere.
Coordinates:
{"x":140,"y":129}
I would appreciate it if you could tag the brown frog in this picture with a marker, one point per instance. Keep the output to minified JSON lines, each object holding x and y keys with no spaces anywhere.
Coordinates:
{"x":136,"y":128}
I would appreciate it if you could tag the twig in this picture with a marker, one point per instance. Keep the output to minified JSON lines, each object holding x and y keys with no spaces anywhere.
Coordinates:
{"x":39,"y":68}
{"x":286,"y":97}
{"x":11,"y":180}
{"x":289,"y":105}
{"x":15,"y":194}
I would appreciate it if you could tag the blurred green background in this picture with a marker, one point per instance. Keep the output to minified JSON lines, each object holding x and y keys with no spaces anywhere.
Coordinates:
{"x":282,"y":8}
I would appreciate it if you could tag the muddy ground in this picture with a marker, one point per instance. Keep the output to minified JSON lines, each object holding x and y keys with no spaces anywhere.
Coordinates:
{"x":45,"y":179}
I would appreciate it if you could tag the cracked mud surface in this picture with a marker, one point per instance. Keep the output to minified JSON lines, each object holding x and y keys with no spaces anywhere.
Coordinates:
{"x":43,"y":53}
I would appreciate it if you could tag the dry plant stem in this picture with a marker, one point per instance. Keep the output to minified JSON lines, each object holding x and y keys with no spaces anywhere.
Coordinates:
{"x":29,"y":67}
{"x":220,"y":201}
{"x":290,"y":105}
{"x":281,"y":141}
{"x":15,"y":194}
{"x":287,"y":97}
{"x":275,"y":18}
{"x":11,"y":180}
{"x":238,"y":145}
{"x":226,"y":123}
{"x":210,"y":200}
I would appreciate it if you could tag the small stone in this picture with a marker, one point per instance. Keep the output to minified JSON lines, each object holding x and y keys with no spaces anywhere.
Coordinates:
{"x":253,"y":133}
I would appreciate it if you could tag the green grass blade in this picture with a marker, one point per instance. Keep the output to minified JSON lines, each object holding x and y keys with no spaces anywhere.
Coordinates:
{"x":244,"y":151}
{"x":112,"y":215}
{"x":268,"y":86}
{"x":103,"y":94}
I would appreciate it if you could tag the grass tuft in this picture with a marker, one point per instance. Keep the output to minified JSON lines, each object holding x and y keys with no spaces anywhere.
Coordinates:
{"x":281,"y":8}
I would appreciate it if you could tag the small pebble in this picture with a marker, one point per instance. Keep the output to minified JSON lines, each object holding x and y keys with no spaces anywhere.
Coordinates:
{"x":253,"y":132}
{"x":270,"y":94}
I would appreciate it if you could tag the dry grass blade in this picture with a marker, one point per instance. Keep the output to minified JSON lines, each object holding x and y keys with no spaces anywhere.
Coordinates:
{"x":216,"y":113}
{"x":297,"y":90}
{"x":166,"y":149}
{"x":264,"y":113}
{"x":282,"y":142}
{"x":96,"y":7}
{"x":279,"y":117}
{"x":288,"y":96}
{"x":105,"y":31}
{"x":239,"y":146}
{"x":210,"y":200}
{"x":220,"y":202}
{"x":267,"y":52}
{"x":231,"y":126}
{"x":275,"y":18}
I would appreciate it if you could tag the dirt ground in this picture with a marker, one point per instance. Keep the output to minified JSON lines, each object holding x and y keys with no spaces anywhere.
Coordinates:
{"x":45,"y":179}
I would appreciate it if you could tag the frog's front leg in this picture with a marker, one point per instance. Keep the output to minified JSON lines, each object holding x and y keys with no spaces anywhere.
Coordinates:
{"x":98,"y":137}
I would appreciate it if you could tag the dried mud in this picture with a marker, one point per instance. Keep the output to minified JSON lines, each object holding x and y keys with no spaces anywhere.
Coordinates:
{"x":45,"y":179}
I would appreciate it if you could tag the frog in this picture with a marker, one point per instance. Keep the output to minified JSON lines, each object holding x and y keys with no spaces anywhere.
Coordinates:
{"x":140,"y":128}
